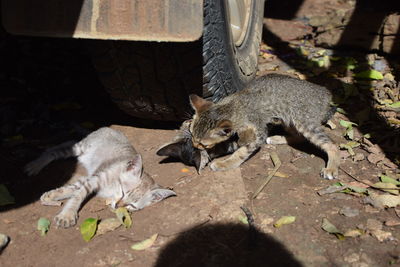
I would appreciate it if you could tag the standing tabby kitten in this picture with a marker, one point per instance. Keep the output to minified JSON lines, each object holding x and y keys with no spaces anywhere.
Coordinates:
{"x":299,"y":105}
{"x":114,"y":171}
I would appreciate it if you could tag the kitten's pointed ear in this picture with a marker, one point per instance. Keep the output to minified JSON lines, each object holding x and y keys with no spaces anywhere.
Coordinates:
{"x":171,"y":150}
{"x":225,"y":126}
{"x":155,"y":195}
{"x":197,"y":161}
{"x":199,"y":104}
{"x":135,"y":165}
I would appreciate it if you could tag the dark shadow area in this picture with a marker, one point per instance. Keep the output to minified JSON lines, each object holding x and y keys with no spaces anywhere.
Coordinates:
{"x":278,"y":9}
{"x":366,"y":19}
{"x":230,"y":245}
{"x":50,"y":94}
{"x":46,"y":17}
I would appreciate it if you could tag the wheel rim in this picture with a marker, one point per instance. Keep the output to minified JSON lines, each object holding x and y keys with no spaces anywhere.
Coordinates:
{"x":239,"y":17}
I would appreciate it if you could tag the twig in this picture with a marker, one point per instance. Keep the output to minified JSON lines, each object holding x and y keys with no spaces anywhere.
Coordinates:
{"x":277,"y":163}
{"x":369,"y":184}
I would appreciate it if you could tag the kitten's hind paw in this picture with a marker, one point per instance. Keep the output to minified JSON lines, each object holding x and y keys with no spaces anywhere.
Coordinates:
{"x":66,"y":220}
{"x":329,"y":173}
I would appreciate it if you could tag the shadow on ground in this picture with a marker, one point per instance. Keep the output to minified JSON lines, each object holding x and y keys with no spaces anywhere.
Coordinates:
{"x":224,"y":245}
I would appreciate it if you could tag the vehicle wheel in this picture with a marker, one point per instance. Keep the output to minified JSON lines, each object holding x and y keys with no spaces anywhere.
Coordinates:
{"x":153,"y":80}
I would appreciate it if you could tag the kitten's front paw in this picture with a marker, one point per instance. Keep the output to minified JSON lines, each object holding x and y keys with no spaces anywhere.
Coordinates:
{"x":47,"y":199}
{"x":66,"y":219}
{"x":219,"y":165}
{"x":329,"y":173}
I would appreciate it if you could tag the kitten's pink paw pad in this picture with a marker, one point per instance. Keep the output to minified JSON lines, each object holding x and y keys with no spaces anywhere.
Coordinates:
{"x":329,"y":173}
{"x":66,"y":220}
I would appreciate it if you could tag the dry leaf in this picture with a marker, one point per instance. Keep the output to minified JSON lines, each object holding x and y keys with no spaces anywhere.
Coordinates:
{"x":358,"y":157}
{"x":388,"y":187}
{"x":331,"y":124}
{"x":184,"y":170}
{"x":107,"y":225}
{"x":145,"y":243}
{"x":331,"y":189}
{"x":392,"y":222}
{"x":284,"y":220}
{"x":375,"y":158}
{"x":383,"y":201}
{"x":382,"y":235}
{"x":353,"y":233}
{"x":330,"y":228}
{"x":349,"y":212}
{"x":281,"y":174}
{"x":124,"y":217}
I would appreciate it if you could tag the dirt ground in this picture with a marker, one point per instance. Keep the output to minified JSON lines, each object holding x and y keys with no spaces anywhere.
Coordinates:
{"x":50,"y":93}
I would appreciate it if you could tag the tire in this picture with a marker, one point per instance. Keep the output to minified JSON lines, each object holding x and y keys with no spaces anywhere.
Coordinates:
{"x":153,"y":80}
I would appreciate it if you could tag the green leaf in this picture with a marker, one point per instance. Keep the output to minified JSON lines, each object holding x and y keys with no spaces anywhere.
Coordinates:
{"x":347,"y":124}
{"x":387,"y":179}
{"x":349,"y":133}
{"x":145,"y":243}
{"x":349,"y":146}
{"x":350,"y":63}
{"x":5,"y":197}
{"x":284,"y":220}
{"x":369,"y":74}
{"x":243,"y":219}
{"x":330,"y":228}
{"x":395,"y":105}
{"x":341,"y":111}
{"x":88,"y":228}
{"x":124,"y":217}
{"x":43,"y":226}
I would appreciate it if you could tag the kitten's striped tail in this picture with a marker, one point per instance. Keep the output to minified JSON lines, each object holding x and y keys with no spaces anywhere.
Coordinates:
{"x":62,"y":151}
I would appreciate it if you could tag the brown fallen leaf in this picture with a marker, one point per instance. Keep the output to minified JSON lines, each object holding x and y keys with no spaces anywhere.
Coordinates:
{"x":382,"y":201}
{"x":349,"y":212}
{"x":392,"y":222}
{"x":331,"y":189}
{"x":358,"y":157}
{"x":107,"y":225}
{"x":375,"y":158}
{"x":382,"y":235}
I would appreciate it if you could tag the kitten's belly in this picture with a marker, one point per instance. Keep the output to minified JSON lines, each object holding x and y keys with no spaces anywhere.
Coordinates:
{"x":96,"y":156}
